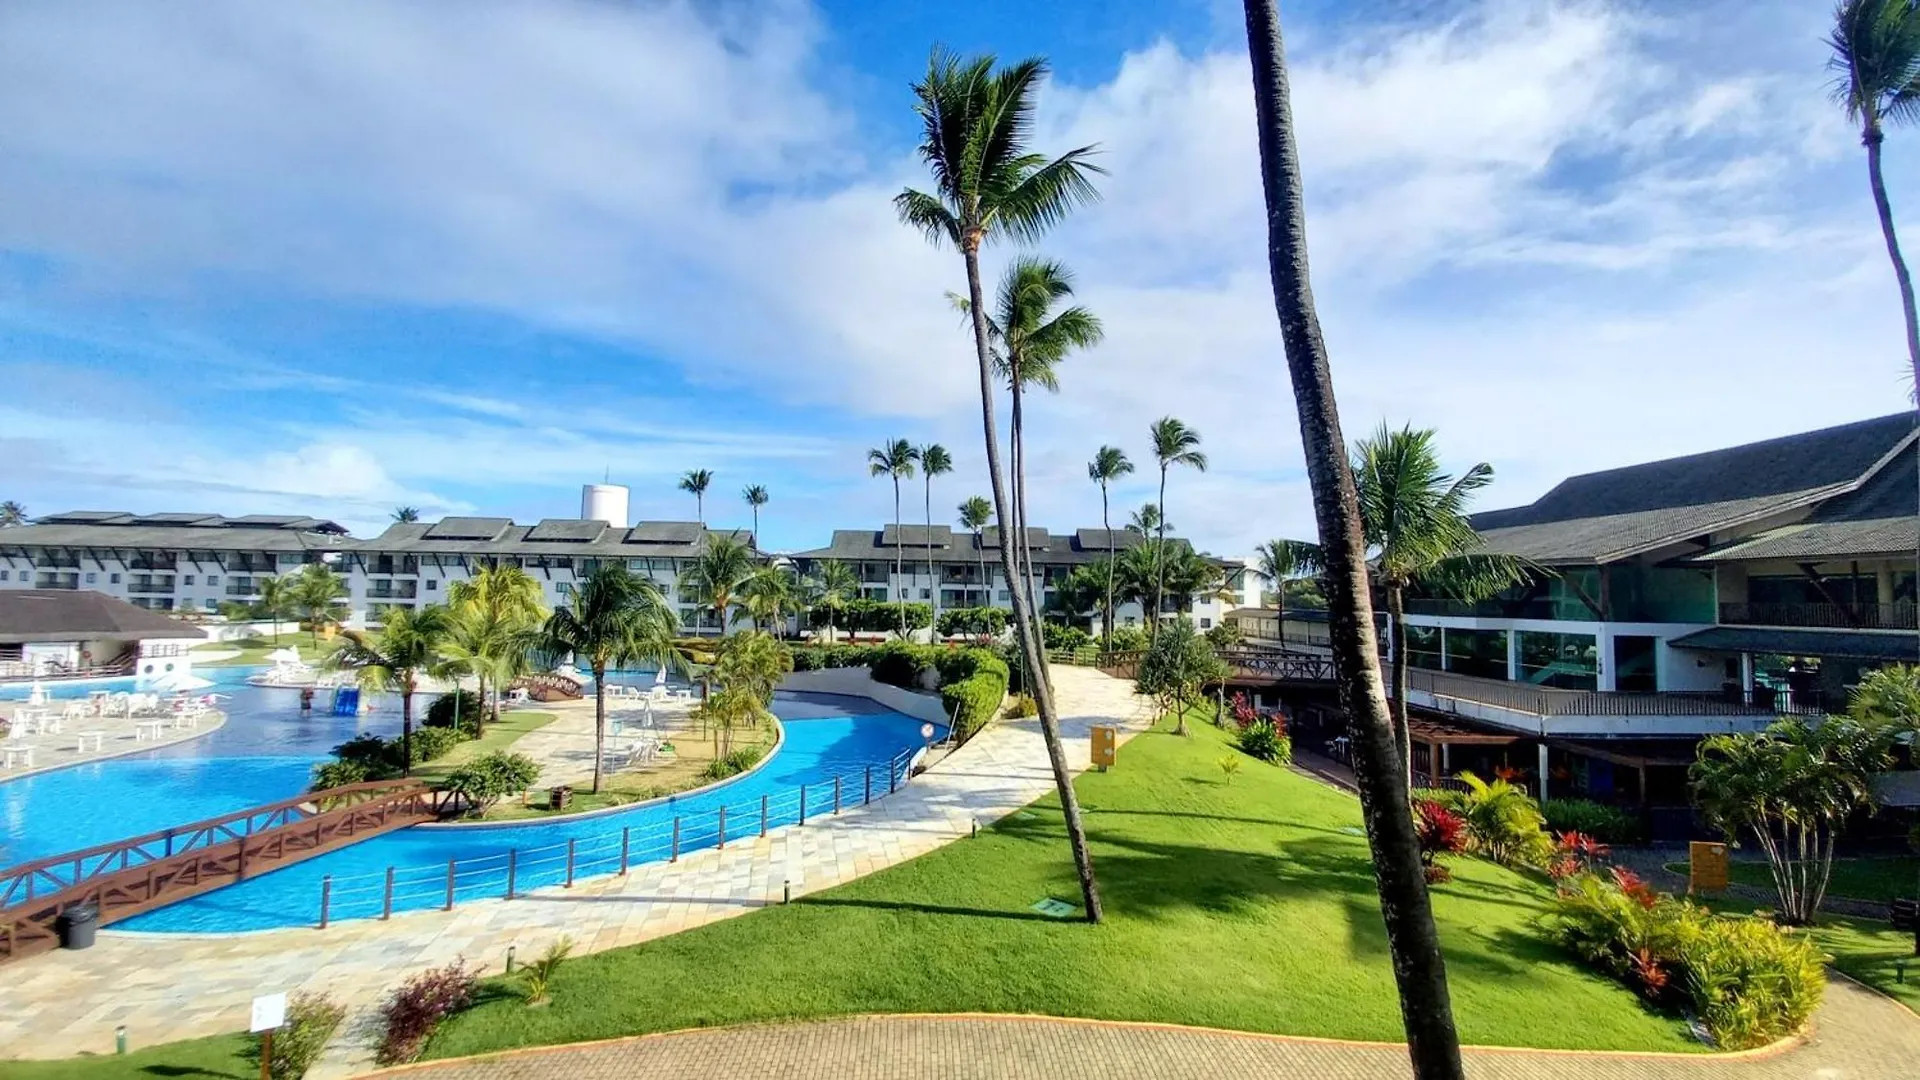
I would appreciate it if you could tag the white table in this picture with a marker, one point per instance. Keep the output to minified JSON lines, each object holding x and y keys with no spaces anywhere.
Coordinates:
{"x":99,"y":739}
{"x":149,"y":729}
{"x":23,"y":753}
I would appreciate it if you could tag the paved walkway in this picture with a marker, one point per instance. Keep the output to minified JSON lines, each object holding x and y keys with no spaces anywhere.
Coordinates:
{"x":1858,"y":1035}
{"x":564,"y":748}
{"x":117,"y":737}
{"x":164,"y":987}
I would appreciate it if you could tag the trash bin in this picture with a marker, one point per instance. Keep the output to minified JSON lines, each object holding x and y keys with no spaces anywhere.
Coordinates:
{"x":559,"y":798}
{"x":76,"y":925}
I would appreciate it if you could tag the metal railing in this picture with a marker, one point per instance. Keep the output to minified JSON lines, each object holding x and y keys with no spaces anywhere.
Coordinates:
{"x":519,"y":870}
{"x":150,"y":588}
{"x":1848,"y":616}
{"x":1243,"y":662}
{"x":1547,"y":701}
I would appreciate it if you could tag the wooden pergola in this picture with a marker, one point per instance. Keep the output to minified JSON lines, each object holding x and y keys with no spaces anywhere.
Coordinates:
{"x":1639,"y":763}
{"x":1440,"y":735}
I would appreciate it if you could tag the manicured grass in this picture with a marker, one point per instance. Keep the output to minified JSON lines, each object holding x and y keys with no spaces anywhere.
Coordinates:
{"x":1244,"y":903}
{"x":1868,"y":951}
{"x":255,"y":650}
{"x":215,"y":1058}
{"x":500,"y":736}
{"x":1877,"y":879}
{"x":683,"y":770}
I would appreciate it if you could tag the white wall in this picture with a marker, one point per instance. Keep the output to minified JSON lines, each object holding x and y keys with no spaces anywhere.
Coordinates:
{"x":859,"y":682}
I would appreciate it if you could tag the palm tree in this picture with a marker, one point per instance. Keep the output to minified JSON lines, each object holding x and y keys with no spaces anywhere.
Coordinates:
{"x":715,"y":576}
{"x":895,"y":460}
{"x":277,"y":597}
{"x":974,"y":515}
{"x":1174,"y":443}
{"x":830,"y":586}
{"x":1876,"y":61}
{"x":977,"y":119}
{"x":1146,"y":520}
{"x":695,"y":483}
{"x":11,"y":514}
{"x":496,"y":618}
{"x":614,"y":618}
{"x":1109,"y":464}
{"x":1426,"y":1009}
{"x":317,"y":592}
{"x":766,"y":594}
{"x":934,"y":461}
{"x":755,"y":496}
{"x":1279,"y":561}
{"x":393,"y":658}
{"x":404,"y":514}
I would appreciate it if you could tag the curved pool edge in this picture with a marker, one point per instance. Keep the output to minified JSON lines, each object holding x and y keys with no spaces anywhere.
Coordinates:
{"x":202,"y":731}
{"x":780,"y":740}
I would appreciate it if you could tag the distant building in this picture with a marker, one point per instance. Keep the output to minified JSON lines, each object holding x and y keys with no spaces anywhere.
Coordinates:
{"x":54,"y":633}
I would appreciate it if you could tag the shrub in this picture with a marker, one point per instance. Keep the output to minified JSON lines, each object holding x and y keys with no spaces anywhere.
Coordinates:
{"x":1608,"y":824}
{"x":1063,"y":638}
{"x":734,"y":762}
{"x":974,"y":699}
{"x":416,"y":1007}
{"x":1267,"y":741}
{"x":536,"y":979}
{"x":369,"y":751}
{"x":986,"y":621}
{"x":1022,"y":706}
{"x":1503,"y":823}
{"x":311,"y":1021}
{"x":1441,"y":832}
{"x":462,"y":703}
{"x":1229,"y":765}
{"x":901,"y":663}
{"x":1747,"y":979}
{"x":484,"y":781}
{"x":333,"y":774}
{"x":1125,"y":639}
{"x":1243,"y":711}
{"x":430,"y":743}
{"x":1224,"y":635}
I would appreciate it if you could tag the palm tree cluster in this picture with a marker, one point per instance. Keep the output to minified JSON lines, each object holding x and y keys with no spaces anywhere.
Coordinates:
{"x":11,"y":514}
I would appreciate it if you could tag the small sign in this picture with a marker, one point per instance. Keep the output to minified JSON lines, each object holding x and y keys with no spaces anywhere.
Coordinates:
{"x":269,"y":1012}
{"x":1105,"y":748}
{"x":1707,"y":866}
{"x":1056,"y":909}
{"x":926,"y":732}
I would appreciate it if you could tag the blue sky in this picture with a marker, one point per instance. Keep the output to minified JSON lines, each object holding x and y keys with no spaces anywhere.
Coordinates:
{"x":332,"y":258}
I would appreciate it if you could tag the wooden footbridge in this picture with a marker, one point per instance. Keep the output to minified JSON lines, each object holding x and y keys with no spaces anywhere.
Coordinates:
{"x":127,"y":877}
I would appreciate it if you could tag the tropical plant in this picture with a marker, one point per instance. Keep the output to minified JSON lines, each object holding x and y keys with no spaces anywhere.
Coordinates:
{"x":276,"y":600}
{"x":613,"y":618}
{"x":297,"y":1043}
{"x":1597,"y":820}
{"x":727,"y":710}
{"x":1229,"y":767}
{"x":394,"y":658}
{"x":1280,"y":561}
{"x":1792,"y":787}
{"x":415,"y":1008}
{"x":1174,"y":443}
{"x":895,"y":461}
{"x":754,"y":662}
{"x":934,"y":461}
{"x":695,"y":483}
{"x":459,"y":709}
{"x":1177,"y":664}
{"x":1504,"y":823}
{"x":1876,"y":65}
{"x":1109,"y":464}
{"x":1441,"y":832}
{"x":755,"y":496}
{"x":1266,"y":740}
{"x":974,"y":515}
{"x":1224,"y":635}
{"x":829,"y":588}
{"x":974,"y":621}
{"x":715,"y":577}
{"x":405,"y":514}
{"x":490,"y":777}
{"x":317,"y":596}
{"x":1080,"y":592}
{"x":1888,"y":696}
{"x":977,"y":119}
{"x":495,"y":620}
{"x":536,"y":979}
{"x":11,"y":514}
{"x":1146,"y":521}
{"x":1413,"y":943}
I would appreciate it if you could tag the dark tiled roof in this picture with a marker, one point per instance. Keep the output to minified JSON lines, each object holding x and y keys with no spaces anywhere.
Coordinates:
{"x":1098,"y":540}
{"x":87,"y":517}
{"x":567,"y":531}
{"x":1037,"y":539}
{"x":917,"y":536}
{"x":1618,"y":513}
{"x":467,"y":528}
{"x":120,"y":532}
{"x":666,"y":532}
{"x":186,"y":518}
{"x":1881,"y":517}
{"x":873,"y":545}
{"x":661,"y":539}
{"x":73,"y":615}
{"x":1852,"y":644}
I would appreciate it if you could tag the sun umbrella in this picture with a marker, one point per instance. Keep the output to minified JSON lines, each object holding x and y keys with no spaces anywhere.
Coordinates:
{"x":37,"y":695}
{"x":175,"y":682}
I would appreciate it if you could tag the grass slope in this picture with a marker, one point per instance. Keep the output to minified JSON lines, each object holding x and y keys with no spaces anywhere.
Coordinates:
{"x":1876,"y":879}
{"x":1245,"y":903}
{"x":255,"y":650}
{"x":222,"y":1057}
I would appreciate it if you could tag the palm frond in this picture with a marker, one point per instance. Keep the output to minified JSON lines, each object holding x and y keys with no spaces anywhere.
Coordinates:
{"x":929,"y":215}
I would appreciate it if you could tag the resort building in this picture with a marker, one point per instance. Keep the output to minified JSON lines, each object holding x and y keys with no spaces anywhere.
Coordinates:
{"x":47,"y":633}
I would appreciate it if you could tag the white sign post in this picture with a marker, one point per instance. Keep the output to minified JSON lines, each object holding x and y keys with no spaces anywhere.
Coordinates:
{"x":269,"y":1012}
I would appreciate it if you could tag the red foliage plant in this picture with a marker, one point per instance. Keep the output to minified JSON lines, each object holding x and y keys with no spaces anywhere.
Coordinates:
{"x":1243,"y":711}
{"x":418,"y":1005}
{"x":1441,"y":831}
{"x":1648,"y":972}
{"x":1635,"y":887}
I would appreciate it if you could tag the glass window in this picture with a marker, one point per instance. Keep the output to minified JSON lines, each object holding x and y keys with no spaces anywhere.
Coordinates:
{"x":186,"y":579}
{"x":565,"y":589}
{"x":212,"y":604}
{"x":91,"y":577}
{"x":213,"y":579}
{"x":432,"y":585}
{"x":4,"y":574}
{"x":1206,"y":624}
{"x":113,"y":579}
{"x":1423,"y":647}
{"x":1566,"y":661}
{"x":1480,"y":653}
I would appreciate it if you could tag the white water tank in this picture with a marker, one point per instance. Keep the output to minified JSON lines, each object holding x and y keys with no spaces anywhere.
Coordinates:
{"x":604,"y":502}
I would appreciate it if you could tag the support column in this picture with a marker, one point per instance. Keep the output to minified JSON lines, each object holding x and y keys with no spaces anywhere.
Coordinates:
{"x":1513,"y":655}
{"x":1446,"y":759}
{"x":1443,"y":650}
{"x":1543,"y":770}
{"x":1746,"y":676}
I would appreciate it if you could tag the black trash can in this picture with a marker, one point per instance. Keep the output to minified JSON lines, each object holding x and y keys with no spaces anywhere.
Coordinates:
{"x":77,"y":924}
{"x":560,"y":798}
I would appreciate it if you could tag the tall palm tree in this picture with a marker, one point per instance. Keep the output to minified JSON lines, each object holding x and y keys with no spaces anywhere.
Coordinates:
{"x":831,"y":585}
{"x":1426,"y":1008}
{"x":276,"y":600}
{"x":695,"y":483}
{"x":767,"y":594}
{"x":1146,"y":520}
{"x":11,"y":514}
{"x":977,"y":118}
{"x":934,"y":461}
{"x":895,"y":461}
{"x":1876,"y":62}
{"x":1109,"y":464}
{"x":755,"y":496}
{"x":614,"y":618}
{"x":716,"y":575}
{"x":317,"y":592}
{"x":974,"y":515}
{"x":405,"y":514}
{"x":1281,"y":560}
{"x":394,"y":658}
{"x":1174,"y":443}
{"x":496,"y":616}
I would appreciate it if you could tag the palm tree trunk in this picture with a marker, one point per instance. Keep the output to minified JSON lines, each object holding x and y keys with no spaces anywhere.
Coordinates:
{"x":1106,"y":522}
{"x":599,"y":721}
{"x":1873,"y":139}
{"x":1397,"y":700}
{"x":929,"y":539}
{"x":986,"y":587}
{"x":899,"y":555}
{"x":1024,"y":557}
{"x":1418,"y":967}
{"x":406,"y":728}
{"x":1159,"y":559}
{"x":1023,"y":626}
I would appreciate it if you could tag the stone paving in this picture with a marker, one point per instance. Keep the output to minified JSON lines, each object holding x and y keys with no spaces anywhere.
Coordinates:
{"x":564,"y":748}
{"x":53,"y":750}
{"x":1857,"y":1035}
{"x":164,"y":987}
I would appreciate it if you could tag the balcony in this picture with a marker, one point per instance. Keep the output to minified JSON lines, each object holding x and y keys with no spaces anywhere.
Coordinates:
{"x":150,"y":588}
{"x":57,"y":581}
{"x":1447,"y":691}
{"x":387,"y":590}
{"x":147,"y":563}
{"x":252,"y":566}
{"x":1834,"y":616}
{"x":243,"y":589}
{"x":388,"y":565}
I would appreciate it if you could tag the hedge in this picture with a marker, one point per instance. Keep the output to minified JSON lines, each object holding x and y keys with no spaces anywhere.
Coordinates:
{"x":871,"y":616}
{"x":973,"y":682}
{"x":974,"y":698}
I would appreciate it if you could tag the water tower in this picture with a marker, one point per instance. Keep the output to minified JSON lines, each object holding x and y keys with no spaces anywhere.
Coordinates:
{"x":604,"y":502}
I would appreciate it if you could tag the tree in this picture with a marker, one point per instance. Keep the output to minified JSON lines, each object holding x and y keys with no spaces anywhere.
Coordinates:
{"x":715,"y":577}
{"x":1177,"y":666}
{"x":768,"y":593}
{"x":977,"y":119}
{"x":895,"y":461}
{"x":404,"y":514}
{"x":1793,"y":787}
{"x":1876,"y":64}
{"x":1146,"y":521}
{"x":614,"y":618}
{"x":755,"y":495}
{"x":1108,"y":465}
{"x":495,"y":618}
{"x":934,"y":461}
{"x":1419,"y":970}
{"x":1080,"y":592}
{"x":974,"y":515}
{"x":277,"y":599}
{"x":483,"y":782}
{"x":695,"y":483}
{"x":754,"y":662}
{"x":394,"y":658}
{"x":1174,"y":443}
{"x":831,"y":585}
{"x":1280,"y":560}
{"x":1889,"y":697}
{"x":317,"y":592}
{"x":11,"y":514}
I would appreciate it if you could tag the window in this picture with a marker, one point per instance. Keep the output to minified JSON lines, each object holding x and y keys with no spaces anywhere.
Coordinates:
{"x":211,"y":604}
{"x":1206,"y":624}
{"x":213,"y":579}
{"x":91,"y":577}
{"x":4,"y":574}
{"x":432,"y":585}
{"x":113,"y":579}
{"x":186,"y":579}
{"x":925,"y":594}
{"x":565,"y":589}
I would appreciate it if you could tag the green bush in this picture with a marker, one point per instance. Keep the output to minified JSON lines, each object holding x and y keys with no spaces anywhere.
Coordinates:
{"x":974,"y":699}
{"x":1263,"y":739}
{"x":974,"y":621}
{"x":1125,"y":639}
{"x":333,"y":774}
{"x":734,"y":763}
{"x":1747,"y":979}
{"x":442,"y":711}
{"x":430,"y":743}
{"x":901,"y":663}
{"x":484,"y":781}
{"x":1503,"y":823}
{"x":1224,"y":635}
{"x":1607,"y":824}
{"x":311,"y":1021}
{"x":1059,"y":638}
{"x":1023,"y":706}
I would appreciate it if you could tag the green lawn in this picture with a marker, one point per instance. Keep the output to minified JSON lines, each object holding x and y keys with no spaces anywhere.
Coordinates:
{"x":217,"y":1058}
{"x":1868,"y":951}
{"x":1875,"y":879}
{"x":1240,"y":904}
{"x":498,"y":736}
{"x":255,"y":650}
